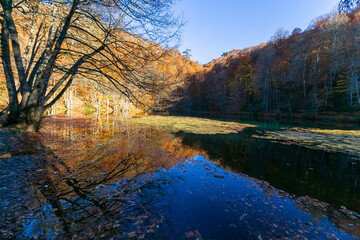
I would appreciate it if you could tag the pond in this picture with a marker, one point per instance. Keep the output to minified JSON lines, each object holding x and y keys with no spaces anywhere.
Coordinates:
{"x":106,"y":179}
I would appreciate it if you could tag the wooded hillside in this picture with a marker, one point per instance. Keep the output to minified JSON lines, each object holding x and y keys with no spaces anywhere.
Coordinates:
{"x":305,"y":72}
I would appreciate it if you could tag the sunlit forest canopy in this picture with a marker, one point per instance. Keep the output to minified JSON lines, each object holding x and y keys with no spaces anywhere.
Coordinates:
{"x":307,"y":71}
{"x":47,"y":44}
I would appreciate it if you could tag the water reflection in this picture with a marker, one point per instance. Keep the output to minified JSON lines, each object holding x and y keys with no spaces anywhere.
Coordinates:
{"x":82,"y":179}
{"x":88,"y":182}
{"x":330,"y":177}
{"x":216,"y":204}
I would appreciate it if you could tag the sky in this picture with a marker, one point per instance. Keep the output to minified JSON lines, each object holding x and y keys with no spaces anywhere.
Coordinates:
{"x":217,"y":26}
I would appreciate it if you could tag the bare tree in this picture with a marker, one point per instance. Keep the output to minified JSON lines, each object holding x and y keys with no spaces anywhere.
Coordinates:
{"x":98,"y":40}
{"x":347,"y":5}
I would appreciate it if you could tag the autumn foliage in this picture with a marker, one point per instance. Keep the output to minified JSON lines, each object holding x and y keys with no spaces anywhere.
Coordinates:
{"x":305,"y":72}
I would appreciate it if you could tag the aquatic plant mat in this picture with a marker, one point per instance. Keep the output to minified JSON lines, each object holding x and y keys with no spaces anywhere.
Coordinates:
{"x":192,"y":124}
{"x":345,"y":141}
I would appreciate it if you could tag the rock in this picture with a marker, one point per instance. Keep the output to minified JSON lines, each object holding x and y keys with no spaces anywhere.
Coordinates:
{"x":218,"y":176}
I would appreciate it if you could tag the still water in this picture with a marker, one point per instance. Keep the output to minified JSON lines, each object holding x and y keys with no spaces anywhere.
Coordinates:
{"x":93,"y":179}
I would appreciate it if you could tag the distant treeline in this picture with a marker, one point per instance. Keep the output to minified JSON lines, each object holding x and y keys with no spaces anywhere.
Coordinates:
{"x":312,"y":71}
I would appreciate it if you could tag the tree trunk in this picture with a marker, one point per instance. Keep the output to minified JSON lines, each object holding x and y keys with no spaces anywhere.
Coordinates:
{"x":357,"y":88}
{"x":303,"y":78}
{"x":267,"y":90}
{"x":28,"y":119}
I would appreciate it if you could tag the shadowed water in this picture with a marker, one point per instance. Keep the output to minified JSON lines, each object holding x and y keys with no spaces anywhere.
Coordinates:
{"x":98,"y":179}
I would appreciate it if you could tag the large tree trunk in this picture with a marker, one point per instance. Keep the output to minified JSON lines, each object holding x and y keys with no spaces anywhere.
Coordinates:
{"x":27,"y":119}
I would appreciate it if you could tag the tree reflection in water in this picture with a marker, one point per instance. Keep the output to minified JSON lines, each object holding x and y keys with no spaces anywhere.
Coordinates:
{"x":94,"y":183}
{"x":110,"y":179}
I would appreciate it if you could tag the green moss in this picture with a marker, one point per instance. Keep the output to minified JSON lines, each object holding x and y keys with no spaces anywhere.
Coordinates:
{"x":192,"y":125}
{"x":89,"y":110}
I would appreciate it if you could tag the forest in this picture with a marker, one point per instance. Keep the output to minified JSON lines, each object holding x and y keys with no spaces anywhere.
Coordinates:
{"x":310,"y":72}
{"x":302,"y":74}
{"x":54,"y":51}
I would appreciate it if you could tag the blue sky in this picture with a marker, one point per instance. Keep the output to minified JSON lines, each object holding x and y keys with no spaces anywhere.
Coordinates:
{"x":217,"y":26}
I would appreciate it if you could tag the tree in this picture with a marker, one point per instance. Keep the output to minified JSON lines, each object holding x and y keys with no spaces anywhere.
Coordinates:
{"x":280,"y":34}
{"x":98,"y":40}
{"x":187,"y":54}
{"x":347,"y":5}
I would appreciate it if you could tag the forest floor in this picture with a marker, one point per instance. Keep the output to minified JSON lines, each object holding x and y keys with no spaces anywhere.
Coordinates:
{"x":16,"y":164}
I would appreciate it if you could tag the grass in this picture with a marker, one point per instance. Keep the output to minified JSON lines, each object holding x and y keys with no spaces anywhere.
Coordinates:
{"x":192,"y":124}
{"x":346,"y":141}
{"x":331,"y":131}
